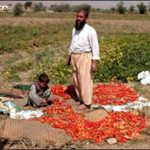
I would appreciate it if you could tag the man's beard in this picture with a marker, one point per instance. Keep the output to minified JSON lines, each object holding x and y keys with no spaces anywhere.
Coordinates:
{"x":79,"y":26}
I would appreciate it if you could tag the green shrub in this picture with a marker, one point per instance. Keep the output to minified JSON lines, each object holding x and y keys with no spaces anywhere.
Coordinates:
{"x":23,"y":37}
{"x":120,"y":8}
{"x":56,"y":69}
{"x":39,"y":7}
{"x":27,"y":5}
{"x":142,"y":8}
{"x":60,"y":8}
{"x":123,"y":56}
{"x":18,"y":9}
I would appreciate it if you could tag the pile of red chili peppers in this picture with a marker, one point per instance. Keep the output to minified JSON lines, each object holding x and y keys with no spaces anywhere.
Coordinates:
{"x":104,"y":94}
{"x":121,"y":125}
{"x":113,"y":94}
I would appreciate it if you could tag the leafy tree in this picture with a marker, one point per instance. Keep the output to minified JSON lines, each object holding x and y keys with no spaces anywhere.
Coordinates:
{"x":120,"y":8}
{"x":98,"y":10}
{"x":113,"y":9}
{"x":149,"y":7}
{"x":18,"y":9}
{"x":131,"y":9}
{"x":39,"y":7}
{"x":141,"y":8}
{"x":60,"y":8}
{"x":82,"y":6}
{"x":27,"y":4}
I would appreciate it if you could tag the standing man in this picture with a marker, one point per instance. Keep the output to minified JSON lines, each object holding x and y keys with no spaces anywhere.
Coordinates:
{"x":83,"y":54}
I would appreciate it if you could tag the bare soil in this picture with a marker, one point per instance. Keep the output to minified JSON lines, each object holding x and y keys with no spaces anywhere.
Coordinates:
{"x":59,"y":138}
{"x":23,"y":139}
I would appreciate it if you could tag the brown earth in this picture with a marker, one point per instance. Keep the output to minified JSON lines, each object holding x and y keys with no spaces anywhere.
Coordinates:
{"x":17,"y":133}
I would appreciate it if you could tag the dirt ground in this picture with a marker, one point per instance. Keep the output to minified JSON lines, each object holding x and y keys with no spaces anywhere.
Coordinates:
{"x":57,"y":138}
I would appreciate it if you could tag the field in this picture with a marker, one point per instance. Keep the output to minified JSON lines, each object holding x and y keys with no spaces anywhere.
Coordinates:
{"x":39,"y":42}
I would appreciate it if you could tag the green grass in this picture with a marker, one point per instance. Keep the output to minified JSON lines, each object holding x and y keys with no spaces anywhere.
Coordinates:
{"x":26,"y":37}
{"x":124,"y":49}
{"x":139,"y":88}
{"x":92,"y":15}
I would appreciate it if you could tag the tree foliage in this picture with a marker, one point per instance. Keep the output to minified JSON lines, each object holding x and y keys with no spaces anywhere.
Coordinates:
{"x":142,"y":8}
{"x":27,"y":4}
{"x":82,"y":6}
{"x":68,"y":8}
{"x":131,"y":9}
{"x":120,"y":8}
{"x":18,"y":10}
{"x":60,"y":8}
{"x":39,"y":7}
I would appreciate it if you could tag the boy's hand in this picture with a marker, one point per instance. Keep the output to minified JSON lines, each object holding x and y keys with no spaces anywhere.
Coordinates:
{"x":48,"y":99}
{"x":44,"y":101}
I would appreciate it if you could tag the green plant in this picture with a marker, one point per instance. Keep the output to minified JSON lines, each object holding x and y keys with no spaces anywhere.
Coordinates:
{"x":27,"y":5}
{"x":120,"y":8}
{"x":76,"y":8}
{"x":18,"y":9}
{"x":142,"y":8}
{"x":131,"y":9}
{"x":123,"y":56}
{"x":139,"y":88}
{"x":60,"y":8}
{"x":39,"y":7}
{"x":10,"y":74}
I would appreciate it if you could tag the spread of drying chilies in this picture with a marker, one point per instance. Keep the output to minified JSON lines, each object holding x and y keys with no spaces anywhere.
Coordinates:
{"x":103,"y":94}
{"x":121,"y":125}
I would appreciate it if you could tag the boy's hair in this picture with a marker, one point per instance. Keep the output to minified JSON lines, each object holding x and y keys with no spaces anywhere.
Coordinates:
{"x":85,"y":11}
{"x":44,"y":78}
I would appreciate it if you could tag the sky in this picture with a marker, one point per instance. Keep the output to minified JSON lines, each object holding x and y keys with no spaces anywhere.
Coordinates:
{"x":97,"y":4}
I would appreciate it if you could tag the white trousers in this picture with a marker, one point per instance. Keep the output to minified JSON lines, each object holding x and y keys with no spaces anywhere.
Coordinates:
{"x":82,"y":75}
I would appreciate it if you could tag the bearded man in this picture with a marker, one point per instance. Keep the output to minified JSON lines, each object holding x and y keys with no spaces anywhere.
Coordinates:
{"x":83,"y":54}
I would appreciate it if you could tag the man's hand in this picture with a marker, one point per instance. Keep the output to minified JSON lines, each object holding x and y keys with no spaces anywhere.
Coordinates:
{"x":68,"y":61}
{"x":94,"y":64}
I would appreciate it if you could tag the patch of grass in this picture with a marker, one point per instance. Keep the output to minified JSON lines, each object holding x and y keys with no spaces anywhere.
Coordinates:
{"x":24,"y":66}
{"x":13,"y":59}
{"x":145,"y":112}
{"x":27,"y":37}
{"x":123,"y":55}
{"x":139,"y":88}
{"x":134,"y":141}
{"x":94,"y":15}
{"x":10,"y":74}
{"x":147,"y":131}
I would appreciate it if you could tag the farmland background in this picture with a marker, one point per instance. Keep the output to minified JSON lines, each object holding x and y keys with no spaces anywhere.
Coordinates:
{"x":38,"y":42}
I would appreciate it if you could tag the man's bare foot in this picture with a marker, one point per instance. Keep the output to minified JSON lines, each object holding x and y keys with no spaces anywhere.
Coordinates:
{"x":83,"y":107}
{"x":79,"y":103}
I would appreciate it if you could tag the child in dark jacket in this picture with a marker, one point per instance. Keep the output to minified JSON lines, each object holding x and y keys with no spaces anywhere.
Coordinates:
{"x":39,"y":93}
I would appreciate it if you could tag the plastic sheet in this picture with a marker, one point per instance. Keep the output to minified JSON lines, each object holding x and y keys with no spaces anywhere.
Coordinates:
{"x":144,"y":77}
{"x":16,"y":112}
{"x":136,"y":105}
